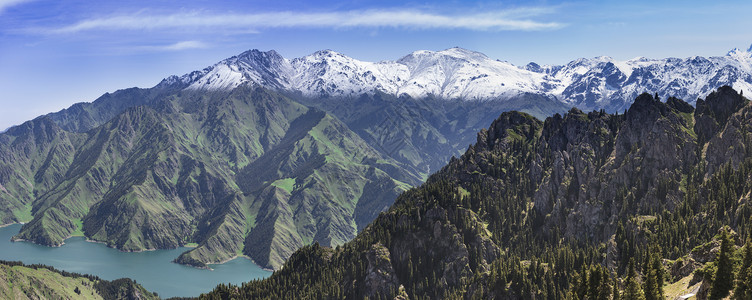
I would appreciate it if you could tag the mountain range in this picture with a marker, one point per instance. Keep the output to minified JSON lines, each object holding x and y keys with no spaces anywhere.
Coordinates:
{"x":460,"y":74}
{"x":259,"y":155}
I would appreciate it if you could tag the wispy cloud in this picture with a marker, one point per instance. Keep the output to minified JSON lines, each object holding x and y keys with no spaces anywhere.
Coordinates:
{"x":504,"y":20}
{"x":8,"y":3}
{"x":184,"y":45}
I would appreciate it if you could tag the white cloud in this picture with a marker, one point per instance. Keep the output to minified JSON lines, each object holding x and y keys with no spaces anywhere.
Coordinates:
{"x":8,"y":3}
{"x":517,"y":19}
{"x":184,"y":45}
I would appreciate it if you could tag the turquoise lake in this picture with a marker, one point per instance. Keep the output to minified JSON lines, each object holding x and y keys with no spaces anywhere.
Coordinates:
{"x":152,"y":269}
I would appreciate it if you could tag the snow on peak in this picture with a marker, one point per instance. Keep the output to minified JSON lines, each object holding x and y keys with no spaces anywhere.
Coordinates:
{"x":739,"y":53}
{"x":456,"y":52}
{"x":457,"y":73}
{"x":328,"y":73}
{"x":263,"y":68}
{"x":452,"y":73}
{"x":640,"y":59}
{"x":464,"y":53}
{"x":326,"y":53}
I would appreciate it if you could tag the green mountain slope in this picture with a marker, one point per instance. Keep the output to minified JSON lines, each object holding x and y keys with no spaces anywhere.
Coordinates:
{"x":423,"y":134}
{"x":555,"y":210}
{"x":18,"y":281}
{"x":82,"y":117}
{"x":33,"y":157}
{"x":246,"y":172}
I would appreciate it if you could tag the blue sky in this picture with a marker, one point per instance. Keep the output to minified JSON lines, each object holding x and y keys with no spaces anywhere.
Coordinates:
{"x":56,"y":53}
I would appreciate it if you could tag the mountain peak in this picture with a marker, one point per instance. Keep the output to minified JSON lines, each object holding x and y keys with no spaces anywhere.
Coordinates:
{"x":462,"y":52}
{"x":733,"y":51}
{"x":533,"y":67}
{"x":736,"y":52}
{"x":639,"y":59}
{"x":455,"y":52}
{"x":326,"y":53}
{"x":257,"y":52}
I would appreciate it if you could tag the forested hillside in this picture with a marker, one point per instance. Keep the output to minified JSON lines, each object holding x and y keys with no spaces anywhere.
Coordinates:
{"x":645,"y":204}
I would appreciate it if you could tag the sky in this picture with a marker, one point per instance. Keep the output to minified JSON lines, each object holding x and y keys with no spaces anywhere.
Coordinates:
{"x":56,"y":53}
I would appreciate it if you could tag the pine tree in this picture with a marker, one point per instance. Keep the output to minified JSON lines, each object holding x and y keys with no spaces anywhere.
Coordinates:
{"x":632,"y":291}
{"x":724,"y":276}
{"x":649,"y":287}
{"x":616,"y":293}
{"x":743,"y":288}
{"x":654,"y":276}
{"x":604,"y":291}
{"x":658,"y":269}
{"x":594,"y":282}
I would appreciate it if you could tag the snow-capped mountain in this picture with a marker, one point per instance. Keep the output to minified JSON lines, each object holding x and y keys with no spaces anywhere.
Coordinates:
{"x":457,"y":73}
{"x":603,"y":82}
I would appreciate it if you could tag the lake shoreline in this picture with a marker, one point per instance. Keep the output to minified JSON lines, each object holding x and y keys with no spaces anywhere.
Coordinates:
{"x":153,"y":269}
{"x":86,"y":239}
{"x":10,"y":224}
{"x":240,"y":256}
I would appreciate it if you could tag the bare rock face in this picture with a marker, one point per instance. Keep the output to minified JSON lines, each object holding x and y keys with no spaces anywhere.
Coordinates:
{"x":683,"y":267}
{"x":713,"y":112}
{"x":733,"y":142}
{"x":440,"y":243}
{"x":380,"y":276}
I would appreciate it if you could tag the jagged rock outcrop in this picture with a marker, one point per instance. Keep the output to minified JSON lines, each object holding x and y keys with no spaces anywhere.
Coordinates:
{"x":713,"y":112}
{"x":381,"y":278}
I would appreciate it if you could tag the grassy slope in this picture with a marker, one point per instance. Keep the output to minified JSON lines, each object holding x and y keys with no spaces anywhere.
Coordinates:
{"x":33,"y":157}
{"x":19,"y":281}
{"x":422,"y":134}
{"x":304,"y":189}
